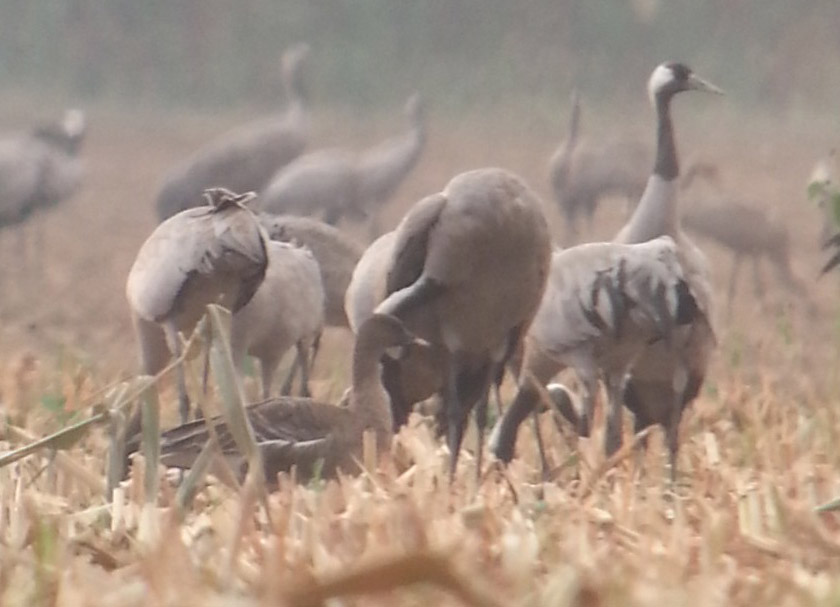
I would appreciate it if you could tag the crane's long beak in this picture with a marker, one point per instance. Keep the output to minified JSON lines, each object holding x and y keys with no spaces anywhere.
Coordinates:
{"x":696,"y":83}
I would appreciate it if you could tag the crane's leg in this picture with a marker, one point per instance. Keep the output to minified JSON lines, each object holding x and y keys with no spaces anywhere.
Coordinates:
{"x":286,"y":390}
{"x":267,"y":367}
{"x":454,"y":415}
{"x":589,"y":380}
{"x":672,"y":438}
{"x":503,"y":437}
{"x":536,"y":368}
{"x":481,"y":425}
{"x":546,"y":472}
{"x":303,"y":357}
{"x":758,"y":279}
{"x":465,"y":388}
{"x":733,"y":281}
{"x":613,"y":436}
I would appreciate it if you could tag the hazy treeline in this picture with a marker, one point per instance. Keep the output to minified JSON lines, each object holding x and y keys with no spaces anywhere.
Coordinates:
{"x":366,"y":52}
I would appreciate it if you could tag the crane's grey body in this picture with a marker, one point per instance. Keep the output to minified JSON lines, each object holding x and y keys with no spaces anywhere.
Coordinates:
{"x":336,"y":253}
{"x":747,"y":232}
{"x":287,"y":310}
{"x":668,"y":375}
{"x":203,"y":255}
{"x":468,"y":272}
{"x":38,"y":170}
{"x":335,"y":183}
{"x":604,"y":303}
{"x":244,"y":159}
{"x":420,"y":370}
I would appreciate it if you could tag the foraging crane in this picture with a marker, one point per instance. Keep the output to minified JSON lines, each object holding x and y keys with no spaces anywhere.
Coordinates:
{"x":286,"y":310}
{"x":244,"y":159}
{"x":419,"y":372}
{"x":468,"y":270}
{"x":746,"y":230}
{"x":338,"y":182}
{"x":668,"y":375}
{"x":336,"y":254}
{"x":210,"y":254}
{"x":604,"y":303}
{"x":308,"y":434}
{"x":582,"y":173}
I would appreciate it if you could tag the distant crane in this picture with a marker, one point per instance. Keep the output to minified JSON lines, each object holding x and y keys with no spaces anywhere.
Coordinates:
{"x":244,"y":159}
{"x":744,"y":229}
{"x":336,"y":183}
{"x":40,"y":168}
{"x":583,"y":172}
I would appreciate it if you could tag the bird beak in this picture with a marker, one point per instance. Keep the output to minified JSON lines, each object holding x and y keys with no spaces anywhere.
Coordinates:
{"x":695,"y":83}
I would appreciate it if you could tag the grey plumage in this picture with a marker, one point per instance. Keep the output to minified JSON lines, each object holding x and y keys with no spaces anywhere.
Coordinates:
{"x":582,"y":172}
{"x":667,"y":376}
{"x":40,"y":168}
{"x":419,"y":372}
{"x":468,"y":271}
{"x":286,"y":310}
{"x":747,"y":232}
{"x":335,"y":252}
{"x":603,"y":305}
{"x":335,"y":183}
{"x":244,"y":159}
{"x":210,"y":254}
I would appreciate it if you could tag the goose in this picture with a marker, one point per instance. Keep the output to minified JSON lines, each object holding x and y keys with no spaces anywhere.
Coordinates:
{"x":311,"y":435}
{"x":210,"y":254}
{"x":244,"y":159}
{"x":468,"y":270}
{"x":668,"y":374}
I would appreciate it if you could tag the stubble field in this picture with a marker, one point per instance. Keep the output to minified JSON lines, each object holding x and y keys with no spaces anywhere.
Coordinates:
{"x":758,"y":448}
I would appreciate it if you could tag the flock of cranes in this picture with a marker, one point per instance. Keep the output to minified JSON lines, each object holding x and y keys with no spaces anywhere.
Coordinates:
{"x":467,"y":281}
{"x":467,"y":288}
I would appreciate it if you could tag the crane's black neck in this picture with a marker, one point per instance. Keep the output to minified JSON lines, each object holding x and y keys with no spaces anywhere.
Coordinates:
{"x":667,"y":165}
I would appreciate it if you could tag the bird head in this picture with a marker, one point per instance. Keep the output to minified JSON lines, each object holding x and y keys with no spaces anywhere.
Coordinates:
{"x":388,"y":333}
{"x":672,"y":77}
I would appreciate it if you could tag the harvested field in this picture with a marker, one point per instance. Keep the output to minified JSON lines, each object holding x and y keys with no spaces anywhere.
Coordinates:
{"x":758,"y":448}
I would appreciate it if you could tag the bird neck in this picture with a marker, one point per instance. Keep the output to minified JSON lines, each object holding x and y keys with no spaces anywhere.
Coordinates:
{"x":295,"y":90}
{"x":657,"y":212}
{"x":667,"y":164}
{"x":369,"y":398}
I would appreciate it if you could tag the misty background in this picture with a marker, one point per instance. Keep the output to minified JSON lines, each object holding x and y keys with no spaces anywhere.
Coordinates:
{"x":461,"y":53}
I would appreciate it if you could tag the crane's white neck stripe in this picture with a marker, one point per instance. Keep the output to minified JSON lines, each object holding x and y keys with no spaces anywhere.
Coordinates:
{"x":660,"y":77}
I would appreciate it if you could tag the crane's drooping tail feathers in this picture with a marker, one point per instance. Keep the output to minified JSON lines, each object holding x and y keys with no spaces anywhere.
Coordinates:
{"x":222,"y":198}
